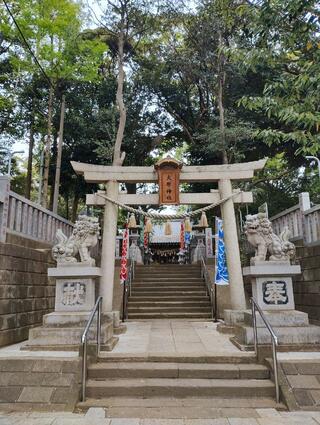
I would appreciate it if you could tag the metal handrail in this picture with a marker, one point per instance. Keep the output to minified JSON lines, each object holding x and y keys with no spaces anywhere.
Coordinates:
{"x":255,"y":307}
{"x":209,"y":287}
{"x":127,"y":289}
{"x":84,"y":339}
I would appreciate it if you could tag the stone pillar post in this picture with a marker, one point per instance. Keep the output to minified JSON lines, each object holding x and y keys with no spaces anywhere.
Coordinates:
{"x":304,"y":204}
{"x":232,"y":247}
{"x":304,"y":201}
{"x":4,"y":206}
{"x":108,"y":247}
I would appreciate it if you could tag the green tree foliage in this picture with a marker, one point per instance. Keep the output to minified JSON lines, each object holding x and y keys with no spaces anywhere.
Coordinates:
{"x":288,"y":45}
{"x":213,"y":80}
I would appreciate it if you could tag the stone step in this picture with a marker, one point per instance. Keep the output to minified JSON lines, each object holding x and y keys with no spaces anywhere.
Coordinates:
{"x":160,"y":272}
{"x":168,"y":309}
{"x":177,"y":408}
{"x":163,"y":271}
{"x":177,"y":296}
{"x":162,"y":275}
{"x":202,"y":302}
{"x":167,"y":272}
{"x":181,"y":388}
{"x":101,"y":371}
{"x":163,"y":286}
{"x":154,"y":288}
{"x":168,"y":315}
{"x":168,"y":267}
{"x":180,"y":279}
{"x":180,"y":285}
{"x":240,"y":357}
{"x":170,"y":298}
{"x":167,"y":296}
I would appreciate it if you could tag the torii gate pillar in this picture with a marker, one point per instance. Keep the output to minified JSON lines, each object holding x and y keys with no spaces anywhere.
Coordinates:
{"x":108,"y":247}
{"x":237,"y":296}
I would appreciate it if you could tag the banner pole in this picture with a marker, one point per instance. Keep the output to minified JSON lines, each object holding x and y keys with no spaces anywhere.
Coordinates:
{"x":215,"y":304}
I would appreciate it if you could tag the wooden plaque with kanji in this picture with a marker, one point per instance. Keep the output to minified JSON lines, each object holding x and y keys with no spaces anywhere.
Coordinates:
{"x":169,"y":177}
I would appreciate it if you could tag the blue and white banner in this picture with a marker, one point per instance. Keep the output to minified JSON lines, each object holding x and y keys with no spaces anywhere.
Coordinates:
{"x":221,"y":272}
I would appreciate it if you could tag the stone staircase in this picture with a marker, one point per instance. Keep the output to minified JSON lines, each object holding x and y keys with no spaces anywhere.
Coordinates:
{"x":177,"y":386}
{"x":168,"y":291}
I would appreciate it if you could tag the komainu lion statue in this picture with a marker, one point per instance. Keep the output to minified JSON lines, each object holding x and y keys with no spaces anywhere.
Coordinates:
{"x":258,"y":229}
{"x":84,"y":237}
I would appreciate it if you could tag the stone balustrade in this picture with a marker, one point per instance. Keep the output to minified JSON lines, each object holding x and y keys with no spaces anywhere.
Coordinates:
{"x":302,"y":220}
{"x":291,"y":218}
{"x":23,"y":217}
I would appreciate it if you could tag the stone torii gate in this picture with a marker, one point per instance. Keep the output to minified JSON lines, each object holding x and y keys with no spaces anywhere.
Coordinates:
{"x":111,"y":176}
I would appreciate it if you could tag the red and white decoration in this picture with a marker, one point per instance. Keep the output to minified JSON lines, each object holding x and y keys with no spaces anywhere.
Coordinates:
{"x":124,"y":256}
{"x":182,"y":236}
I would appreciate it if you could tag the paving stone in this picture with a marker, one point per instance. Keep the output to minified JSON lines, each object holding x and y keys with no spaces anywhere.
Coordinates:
{"x":303,"y":381}
{"x":169,"y":412}
{"x":310,"y":368}
{"x":6,"y":421}
{"x":71,"y":366}
{"x":56,"y":379}
{"x":290,"y":420}
{"x":54,"y":415}
{"x":35,"y":421}
{"x":264,"y":413}
{"x":95,"y":413}
{"x":316,"y":416}
{"x":9,"y":394}
{"x":125,"y":421}
{"x":47,"y":365}
{"x":274,"y":421}
{"x":299,"y":415}
{"x":64,"y":396}
{"x":303,"y":397}
{"x":315,"y":394}
{"x":242,"y":421}
{"x":219,"y":421}
{"x":289,"y":368}
{"x":70,"y":421}
{"x":161,"y":422}
{"x":230,"y":412}
{"x":35,"y":395}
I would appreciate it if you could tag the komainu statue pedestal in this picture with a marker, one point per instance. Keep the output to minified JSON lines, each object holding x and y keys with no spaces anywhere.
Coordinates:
{"x":76,"y":292}
{"x":77,"y":288}
{"x":270,"y":274}
{"x":272,"y":289}
{"x":272,"y":284}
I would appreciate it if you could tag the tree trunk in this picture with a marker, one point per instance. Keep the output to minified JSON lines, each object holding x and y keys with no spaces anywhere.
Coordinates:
{"x":30,"y":155}
{"x":118,"y":156}
{"x":47,"y":149}
{"x":59,"y":157}
{"x":221,"y":78}
{"x":75,"y":207}
{"x":54,"y":148}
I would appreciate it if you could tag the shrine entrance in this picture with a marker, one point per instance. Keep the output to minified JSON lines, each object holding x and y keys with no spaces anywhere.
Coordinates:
{"x":169,"y":174}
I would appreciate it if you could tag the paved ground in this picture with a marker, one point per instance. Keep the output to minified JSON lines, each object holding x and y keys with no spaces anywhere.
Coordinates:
{"x":174,"y":337}
{"x":97,"y":417}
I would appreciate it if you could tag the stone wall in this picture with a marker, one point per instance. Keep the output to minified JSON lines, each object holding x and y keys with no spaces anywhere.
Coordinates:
{"x":307,"y":285}
{"x":39,"y":383}
{"x":26,"y":293}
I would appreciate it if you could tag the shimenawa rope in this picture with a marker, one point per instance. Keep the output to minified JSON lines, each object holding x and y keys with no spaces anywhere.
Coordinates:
{"x":159,"y":216}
